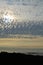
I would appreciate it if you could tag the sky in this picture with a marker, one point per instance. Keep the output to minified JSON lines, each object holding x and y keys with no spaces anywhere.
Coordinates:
{"x":26,"y":10}
{"x":23,"y":10}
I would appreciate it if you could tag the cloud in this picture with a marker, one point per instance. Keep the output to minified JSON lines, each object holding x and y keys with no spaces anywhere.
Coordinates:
{"x":25,"y":9}
{"x":10,"y":2}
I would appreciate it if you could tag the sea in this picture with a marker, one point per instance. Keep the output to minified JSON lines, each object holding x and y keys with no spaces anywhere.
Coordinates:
{"x":27,"y":51}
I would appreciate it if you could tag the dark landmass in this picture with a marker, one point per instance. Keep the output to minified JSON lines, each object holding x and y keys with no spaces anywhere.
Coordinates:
{"x":34,"y":54}
{"x":18,"y":58}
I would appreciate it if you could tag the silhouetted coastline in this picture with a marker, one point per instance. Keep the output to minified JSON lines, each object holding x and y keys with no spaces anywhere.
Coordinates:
{"x":20,"y":57}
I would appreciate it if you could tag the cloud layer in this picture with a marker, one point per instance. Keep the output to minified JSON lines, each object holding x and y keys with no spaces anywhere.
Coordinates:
{"x":25,"y":9}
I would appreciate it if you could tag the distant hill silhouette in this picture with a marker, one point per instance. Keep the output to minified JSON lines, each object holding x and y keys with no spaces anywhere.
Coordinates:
{"x":18,"y":58}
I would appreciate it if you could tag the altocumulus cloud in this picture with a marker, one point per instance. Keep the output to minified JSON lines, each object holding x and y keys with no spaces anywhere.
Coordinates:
{"x":10,"y":2}
{"x":26,"y":9}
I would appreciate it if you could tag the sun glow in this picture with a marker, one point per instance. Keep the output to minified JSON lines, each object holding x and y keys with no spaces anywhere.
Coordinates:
{"x":8,"y":17}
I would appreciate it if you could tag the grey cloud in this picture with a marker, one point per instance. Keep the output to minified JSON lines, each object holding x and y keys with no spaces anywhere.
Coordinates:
{"x":10,"y":2}
{"x":24,"y":2}
{"x":27,"y":8}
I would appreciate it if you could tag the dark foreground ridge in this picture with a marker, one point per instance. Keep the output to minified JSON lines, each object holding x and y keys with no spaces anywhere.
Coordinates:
{"x":20,"y":54}
{"x":19,"y":58}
